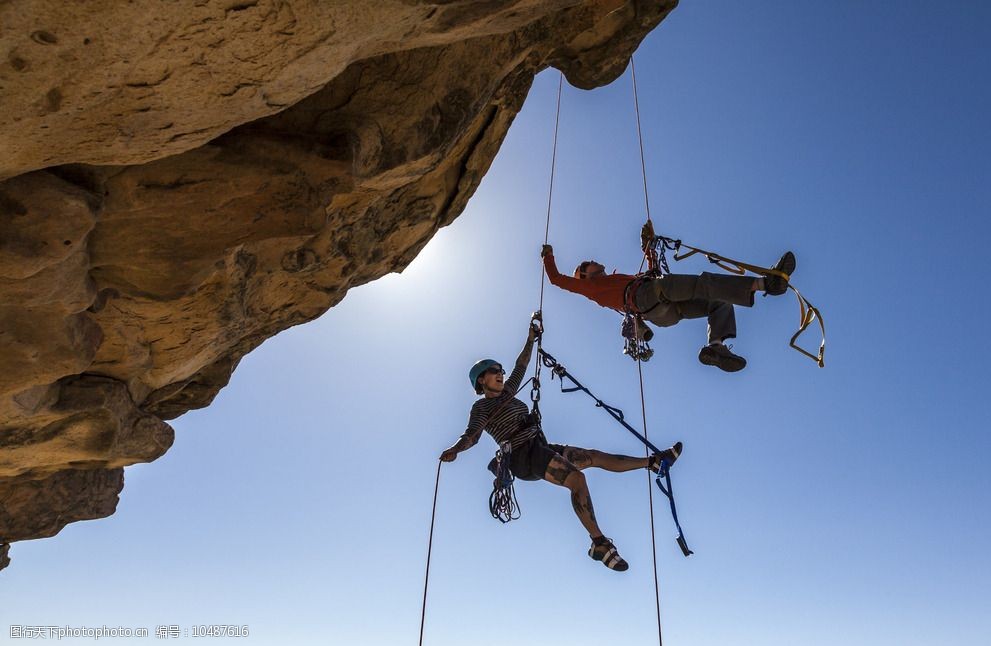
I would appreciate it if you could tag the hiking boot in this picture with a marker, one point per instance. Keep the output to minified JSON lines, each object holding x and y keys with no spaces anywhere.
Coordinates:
{"x":669,"y":455}
{"x":603,"y":550}
{"x":717,"y":354}
{"x":777,"y":285}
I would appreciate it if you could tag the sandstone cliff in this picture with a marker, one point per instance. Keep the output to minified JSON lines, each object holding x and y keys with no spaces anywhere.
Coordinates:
{"x":181,"y":180}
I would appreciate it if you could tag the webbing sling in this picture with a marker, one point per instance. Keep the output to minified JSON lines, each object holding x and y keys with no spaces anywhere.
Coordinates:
{"x":665,"y":472}
{"x":654,"y":246}
{"x":617,"y":414}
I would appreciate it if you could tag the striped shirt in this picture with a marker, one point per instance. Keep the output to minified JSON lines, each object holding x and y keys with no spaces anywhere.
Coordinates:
{"x":503,"y":417}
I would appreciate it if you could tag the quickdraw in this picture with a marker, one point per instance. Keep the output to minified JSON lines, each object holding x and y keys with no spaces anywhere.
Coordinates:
{"x":654,"y":247}
{"x":637,"y":336}
{"x":537,"y":325}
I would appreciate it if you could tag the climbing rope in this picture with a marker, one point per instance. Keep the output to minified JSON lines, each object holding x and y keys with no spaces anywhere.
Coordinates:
{"x":650,"y":504}
{"x":637,"y":336}
{"x":502,"y":502}
{"x":537,"y":320}
{"x":643,"y":354}
{"x":550,"y":189}
{"x":643,"y":164}
{"x":430,"y":547}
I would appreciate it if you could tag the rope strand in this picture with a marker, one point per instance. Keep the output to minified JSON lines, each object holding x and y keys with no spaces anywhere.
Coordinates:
{"x":430,"y":547}
{"x":643,"y":164}
{"x":643,"y":402}
{"x":535,"y":391}
{"x":550,"y":190}
{"x":650,"y":503}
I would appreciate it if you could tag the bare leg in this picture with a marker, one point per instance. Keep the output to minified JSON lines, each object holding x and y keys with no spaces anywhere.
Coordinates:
{"x":585,"y":458}
{"x":561,"y":472}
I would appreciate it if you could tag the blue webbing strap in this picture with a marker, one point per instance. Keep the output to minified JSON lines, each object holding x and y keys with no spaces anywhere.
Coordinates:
{"x":617,"y":415}
{"x":665,"y":472}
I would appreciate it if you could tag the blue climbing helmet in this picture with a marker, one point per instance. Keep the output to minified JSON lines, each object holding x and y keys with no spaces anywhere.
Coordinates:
{"x":476,"y":371}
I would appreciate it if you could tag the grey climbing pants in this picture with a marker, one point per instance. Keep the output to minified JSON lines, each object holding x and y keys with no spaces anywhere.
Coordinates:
{"x":666,"y":300}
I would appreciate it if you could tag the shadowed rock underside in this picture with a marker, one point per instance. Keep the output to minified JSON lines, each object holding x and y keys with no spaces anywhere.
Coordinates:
{"x":170,"y":200}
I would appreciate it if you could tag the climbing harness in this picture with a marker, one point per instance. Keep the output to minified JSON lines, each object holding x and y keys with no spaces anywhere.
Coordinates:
{"x":562,"y":373}
{"x":654,"y":247}
{"x":636,"y":334}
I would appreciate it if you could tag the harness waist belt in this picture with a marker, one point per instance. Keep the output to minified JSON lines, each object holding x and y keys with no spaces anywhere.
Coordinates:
{"x":630,"y":294}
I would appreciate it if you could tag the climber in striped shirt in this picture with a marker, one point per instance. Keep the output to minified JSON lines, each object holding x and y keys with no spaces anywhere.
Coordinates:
{"x":508,"y":420}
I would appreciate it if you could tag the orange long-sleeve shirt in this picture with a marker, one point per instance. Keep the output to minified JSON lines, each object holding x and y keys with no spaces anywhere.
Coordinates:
{"x":606,"y":290}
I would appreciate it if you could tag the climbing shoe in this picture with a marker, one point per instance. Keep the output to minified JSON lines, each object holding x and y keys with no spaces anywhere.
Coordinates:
{"x":667,"y":454}
{"x":776,"y":285}
{"x":603,"y":550}
{"x":717,"y":354}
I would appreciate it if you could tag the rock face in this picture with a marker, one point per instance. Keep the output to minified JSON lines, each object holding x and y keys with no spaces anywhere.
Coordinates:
{"x":230,"y":169}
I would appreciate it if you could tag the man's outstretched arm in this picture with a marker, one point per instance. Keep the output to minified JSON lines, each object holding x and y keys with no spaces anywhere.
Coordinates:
{"x":557,"y":278}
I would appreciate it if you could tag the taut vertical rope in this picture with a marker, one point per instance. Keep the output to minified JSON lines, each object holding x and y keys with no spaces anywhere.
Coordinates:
{"x":430,"y":546}
{"x":643,"y":164}
{"x":550,"y":190}
{"x":535,"y":391}
{"x":643,"y":402}
{"x":650,"y":503}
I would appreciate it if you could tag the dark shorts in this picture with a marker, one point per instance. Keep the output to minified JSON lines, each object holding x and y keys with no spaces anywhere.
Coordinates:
{"x":529,"y":461}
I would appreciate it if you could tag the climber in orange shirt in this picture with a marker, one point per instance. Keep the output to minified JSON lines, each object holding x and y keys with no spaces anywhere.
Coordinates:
{"x":667,"y":299}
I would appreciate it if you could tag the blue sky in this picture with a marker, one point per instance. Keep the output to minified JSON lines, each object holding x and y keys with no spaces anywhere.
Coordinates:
{"x":841,"y":505}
